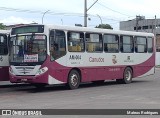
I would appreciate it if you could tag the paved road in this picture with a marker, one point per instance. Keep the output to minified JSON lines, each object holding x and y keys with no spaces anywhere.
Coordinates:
{"x":143,"y":93}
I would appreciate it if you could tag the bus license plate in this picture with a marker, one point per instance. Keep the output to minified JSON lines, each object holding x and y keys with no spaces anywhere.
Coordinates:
{"x":23,"y":80}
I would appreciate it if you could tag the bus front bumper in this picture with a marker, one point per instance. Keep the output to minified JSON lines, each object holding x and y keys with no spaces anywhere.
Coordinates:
{"x":29,"y":79}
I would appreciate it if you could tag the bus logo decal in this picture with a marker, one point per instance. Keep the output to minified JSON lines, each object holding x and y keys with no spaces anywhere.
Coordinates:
{"x":114,"y":59}
{"x":129,"y":59}
{"x":91,"y":59}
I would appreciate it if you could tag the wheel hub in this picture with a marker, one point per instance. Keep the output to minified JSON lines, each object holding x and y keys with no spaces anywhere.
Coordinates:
{"x":128,"y":75}
{"x":74,"y":79}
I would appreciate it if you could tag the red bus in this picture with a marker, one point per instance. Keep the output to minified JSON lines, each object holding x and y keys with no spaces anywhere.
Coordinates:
{"x":50,"y":54}
{"x":4,"y":56}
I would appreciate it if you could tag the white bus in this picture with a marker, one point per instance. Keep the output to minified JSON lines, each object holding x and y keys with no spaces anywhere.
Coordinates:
{"x":4,"y":56}
{"x":50,"y":54}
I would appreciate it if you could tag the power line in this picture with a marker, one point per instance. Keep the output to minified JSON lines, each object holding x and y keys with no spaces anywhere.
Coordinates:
{"x":40,"y":12}
{"x":53,"y":13}
{"x":113,"y":10}
{"x":19,"y":10}
{"x":104,"y":17}
{"x":50,"y":12}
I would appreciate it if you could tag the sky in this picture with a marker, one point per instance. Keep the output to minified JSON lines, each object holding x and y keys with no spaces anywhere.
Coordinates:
{"x":71,"y":12}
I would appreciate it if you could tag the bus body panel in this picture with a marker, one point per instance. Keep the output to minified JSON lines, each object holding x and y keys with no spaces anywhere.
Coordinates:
{"x":60,"y":73}
{"x":4,"y":73}
{"x":4,"y":68}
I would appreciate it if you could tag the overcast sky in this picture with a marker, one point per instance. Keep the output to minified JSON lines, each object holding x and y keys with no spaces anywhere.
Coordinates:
{"x":70,"y":12}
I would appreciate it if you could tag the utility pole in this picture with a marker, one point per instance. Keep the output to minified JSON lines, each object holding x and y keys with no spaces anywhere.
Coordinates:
{"x":85,"y":13}
{"x":86,"y":10}
{"x":137,"y":19}
{"x":155,"y":24}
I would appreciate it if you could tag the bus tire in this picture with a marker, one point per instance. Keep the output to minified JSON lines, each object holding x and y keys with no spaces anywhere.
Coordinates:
{"x":73,"y":79}
{"x":127,"y":76}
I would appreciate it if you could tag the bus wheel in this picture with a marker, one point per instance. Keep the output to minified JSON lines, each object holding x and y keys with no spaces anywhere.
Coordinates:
{"x":127,"y":76}
{"x":73,"y":79}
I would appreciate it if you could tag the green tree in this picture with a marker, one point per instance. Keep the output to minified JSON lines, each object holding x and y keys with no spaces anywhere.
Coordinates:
{"x":104,"y":26}
{"x":2,"y":26}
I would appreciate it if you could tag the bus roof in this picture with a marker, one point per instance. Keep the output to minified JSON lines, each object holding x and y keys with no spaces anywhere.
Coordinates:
{"x":4,"y":31}
{"x":98,"y":30}
{"x":92,"y":30}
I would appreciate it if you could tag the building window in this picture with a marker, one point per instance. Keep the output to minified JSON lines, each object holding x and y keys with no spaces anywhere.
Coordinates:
{"x":145,"y":27}
{"x":138,"y":28}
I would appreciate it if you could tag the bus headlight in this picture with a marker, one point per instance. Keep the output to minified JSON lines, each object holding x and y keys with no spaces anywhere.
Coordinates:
{"x":11,"y":71}
{"x":41,"y":71}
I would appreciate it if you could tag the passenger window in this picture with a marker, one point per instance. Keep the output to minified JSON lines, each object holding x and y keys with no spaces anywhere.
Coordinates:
{"x":140,"y":44}
{"x":93,"y":42}
{"x":75,"y":41}
{"x":150,"y":44}
{"x":127,"y":44}
{"x":111,"y":43}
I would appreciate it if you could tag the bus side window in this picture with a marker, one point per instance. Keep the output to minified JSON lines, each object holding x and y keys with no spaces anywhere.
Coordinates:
{"x":57,"y":44}
{"x":94,"y":42}
{"x":150,"y":44}
{"x":75,"y":41}
{"x":126,"y":44}
{"x":140,"y":44}
{"x":111,"y":43}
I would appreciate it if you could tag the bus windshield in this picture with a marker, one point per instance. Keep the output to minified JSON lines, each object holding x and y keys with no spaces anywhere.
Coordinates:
{"x":28,"y":48}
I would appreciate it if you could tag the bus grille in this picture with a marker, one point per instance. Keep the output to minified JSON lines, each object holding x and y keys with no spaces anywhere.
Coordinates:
{"x":24,"y":70}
